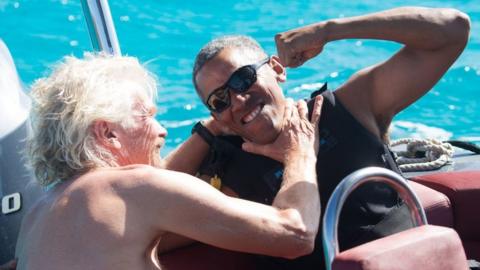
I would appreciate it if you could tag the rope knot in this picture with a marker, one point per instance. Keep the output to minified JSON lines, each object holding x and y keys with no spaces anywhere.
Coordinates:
{"x":422,"y":154}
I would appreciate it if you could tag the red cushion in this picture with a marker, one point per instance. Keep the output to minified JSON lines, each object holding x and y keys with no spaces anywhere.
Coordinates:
{"x":437,"y":205}
{"x":463,"y":190}
{"x":427,"y":247}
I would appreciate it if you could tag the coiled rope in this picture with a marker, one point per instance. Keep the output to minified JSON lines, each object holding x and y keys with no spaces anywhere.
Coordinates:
{"x":422,"y":154}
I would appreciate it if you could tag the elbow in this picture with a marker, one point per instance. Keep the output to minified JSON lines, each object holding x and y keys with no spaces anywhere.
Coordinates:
{"x":302,"y":248}
{"x":296,"y":247}
{"x":301,"y":237}
{"x":458,"y":26}
{"x":304,"y":244}
{"x":461,"y":23}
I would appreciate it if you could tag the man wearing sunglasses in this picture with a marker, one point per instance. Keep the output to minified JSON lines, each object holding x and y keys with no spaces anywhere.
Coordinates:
{"x":240,"y":85}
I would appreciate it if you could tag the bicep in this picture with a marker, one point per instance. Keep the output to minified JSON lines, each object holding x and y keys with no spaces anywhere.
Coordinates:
{"x":379,"y":92}
{"x":407,"y":76}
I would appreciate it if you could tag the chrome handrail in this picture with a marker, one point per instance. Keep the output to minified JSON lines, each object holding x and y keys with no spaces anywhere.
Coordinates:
{"x":345,"y":188}
{"x":100,"y":26}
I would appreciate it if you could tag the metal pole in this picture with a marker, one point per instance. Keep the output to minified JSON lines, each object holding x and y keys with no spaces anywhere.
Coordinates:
{"x":100,"y":26}
{"x":345,"y":188}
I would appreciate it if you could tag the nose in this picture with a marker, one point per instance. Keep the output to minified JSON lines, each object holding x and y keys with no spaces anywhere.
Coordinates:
{"x":238,"y":100}
{"x":162,"y":132}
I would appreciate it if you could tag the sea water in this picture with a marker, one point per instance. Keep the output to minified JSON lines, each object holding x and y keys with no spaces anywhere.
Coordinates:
{"x":168,"y":34}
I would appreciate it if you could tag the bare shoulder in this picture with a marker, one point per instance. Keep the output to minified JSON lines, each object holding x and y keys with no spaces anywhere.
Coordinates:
{"x":119,"y":203}
{"x":114,"y":179}
{"x":141,"y":197}
{"x":136,"y":185}
{"x":136,"y":176}
{"x":102,"y":190}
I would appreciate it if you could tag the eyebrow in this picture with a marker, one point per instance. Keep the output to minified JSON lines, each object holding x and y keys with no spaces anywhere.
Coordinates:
{"x":146,"y":109}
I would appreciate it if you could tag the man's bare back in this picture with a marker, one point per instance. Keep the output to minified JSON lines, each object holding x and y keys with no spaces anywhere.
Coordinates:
{"x":76,"y":224}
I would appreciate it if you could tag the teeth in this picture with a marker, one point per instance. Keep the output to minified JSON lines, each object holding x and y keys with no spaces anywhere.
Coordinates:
{"x":249,"y":117}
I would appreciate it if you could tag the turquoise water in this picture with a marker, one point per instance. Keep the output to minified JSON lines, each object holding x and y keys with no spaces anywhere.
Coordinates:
{"x":168,"y":35}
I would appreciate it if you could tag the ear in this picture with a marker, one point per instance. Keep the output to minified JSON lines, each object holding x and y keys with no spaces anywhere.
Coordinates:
{"x":278,"y":68}
{"x":106,"y":135}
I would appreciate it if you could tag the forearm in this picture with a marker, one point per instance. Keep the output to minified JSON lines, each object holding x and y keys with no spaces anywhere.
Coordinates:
{"x":238,"y":224}
{"x":189,"y":155}
{"x":299,"y":191}
{"x":416,"y":27}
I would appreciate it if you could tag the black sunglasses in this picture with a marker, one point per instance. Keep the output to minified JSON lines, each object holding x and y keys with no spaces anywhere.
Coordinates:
{"x":239,"y":82}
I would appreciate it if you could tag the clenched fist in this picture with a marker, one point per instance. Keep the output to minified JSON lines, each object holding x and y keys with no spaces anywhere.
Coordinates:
{"x":297,"y":46}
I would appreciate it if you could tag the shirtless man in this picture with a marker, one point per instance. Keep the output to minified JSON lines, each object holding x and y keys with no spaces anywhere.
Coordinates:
{"x":240,"y":85}
{"x":95,"y":147}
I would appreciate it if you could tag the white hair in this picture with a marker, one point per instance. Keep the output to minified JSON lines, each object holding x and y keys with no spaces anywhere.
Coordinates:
{"x":68,"y":102}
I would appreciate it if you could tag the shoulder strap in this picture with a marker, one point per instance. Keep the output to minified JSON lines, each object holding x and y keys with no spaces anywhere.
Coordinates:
{"x":322,"y":89}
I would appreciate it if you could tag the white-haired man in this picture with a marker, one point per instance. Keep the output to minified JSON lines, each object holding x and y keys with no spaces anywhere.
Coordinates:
{"x":95,"y":146}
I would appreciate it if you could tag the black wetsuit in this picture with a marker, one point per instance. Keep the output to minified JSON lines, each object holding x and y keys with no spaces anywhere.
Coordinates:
{"x":372,"y":211}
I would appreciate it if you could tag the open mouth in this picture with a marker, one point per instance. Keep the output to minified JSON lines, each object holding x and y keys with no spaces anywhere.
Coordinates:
{"x":252,"y":114}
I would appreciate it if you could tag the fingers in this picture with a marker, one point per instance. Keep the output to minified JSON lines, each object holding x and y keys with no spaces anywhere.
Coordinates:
{"x":289,"y":104}
{"x":290,"y":58}
{"x":287,"y":115}
{"x":309,"y":54}
{"x":254,"y":148}
{"x":302,"y":109}
{"x":286,"y":53}
{"x":295,"y":60}
{"x":297,"y":46}
{"x":316,"y":113}
{"x":317,"y":110}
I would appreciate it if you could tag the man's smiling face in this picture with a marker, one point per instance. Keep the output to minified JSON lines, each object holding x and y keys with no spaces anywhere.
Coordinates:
{"x":257,"y":114}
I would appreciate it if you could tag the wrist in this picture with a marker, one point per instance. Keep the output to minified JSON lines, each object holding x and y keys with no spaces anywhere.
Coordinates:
{"x":326,"y":27}
{"x":302,"y":164}
{"x":303,"y":156}
{"x":203,"y":132}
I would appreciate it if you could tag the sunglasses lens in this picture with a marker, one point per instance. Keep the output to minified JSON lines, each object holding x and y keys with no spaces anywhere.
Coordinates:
{"x":219,"y":100}
{"x":219,"y":105}
{"x":242,"y":79}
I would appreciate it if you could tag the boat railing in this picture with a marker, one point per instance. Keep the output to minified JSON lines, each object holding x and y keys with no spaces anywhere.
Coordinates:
{"x":347,"y":186}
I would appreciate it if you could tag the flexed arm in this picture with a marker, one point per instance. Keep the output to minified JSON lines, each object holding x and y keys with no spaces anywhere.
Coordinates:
{"x":433,"y":39}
